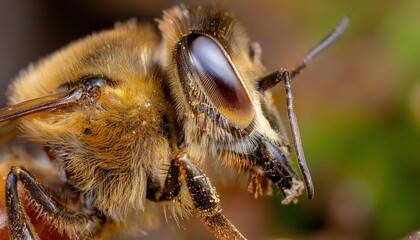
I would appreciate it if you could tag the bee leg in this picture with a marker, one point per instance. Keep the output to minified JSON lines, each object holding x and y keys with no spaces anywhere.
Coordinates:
{"x":272,"y":163}
{"x":170,"y":189}
{"x":203,"y":194}
{"x":20,"y":227}
{"x":206,"y":200}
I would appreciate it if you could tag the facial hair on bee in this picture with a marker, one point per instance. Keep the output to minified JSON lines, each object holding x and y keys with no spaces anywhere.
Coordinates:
{"x":131,"y":117}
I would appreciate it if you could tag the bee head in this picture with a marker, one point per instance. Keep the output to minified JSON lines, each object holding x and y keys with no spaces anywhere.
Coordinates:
{"x":213,"y":75}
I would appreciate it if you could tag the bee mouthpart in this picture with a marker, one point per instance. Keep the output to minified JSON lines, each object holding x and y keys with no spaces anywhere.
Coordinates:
{"x":292,"y":194}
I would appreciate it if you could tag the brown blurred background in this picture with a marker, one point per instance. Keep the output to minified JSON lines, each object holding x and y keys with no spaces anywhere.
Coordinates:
{"x":358,"y":106}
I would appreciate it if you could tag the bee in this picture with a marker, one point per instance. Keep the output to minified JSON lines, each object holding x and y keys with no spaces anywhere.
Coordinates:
{"x":129,"y":118}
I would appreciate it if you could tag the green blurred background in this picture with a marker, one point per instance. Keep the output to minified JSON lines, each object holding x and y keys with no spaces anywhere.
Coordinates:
{"x":358,"y":106}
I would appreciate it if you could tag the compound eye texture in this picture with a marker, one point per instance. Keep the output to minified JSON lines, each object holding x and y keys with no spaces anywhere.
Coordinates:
{"x":219,"y":80}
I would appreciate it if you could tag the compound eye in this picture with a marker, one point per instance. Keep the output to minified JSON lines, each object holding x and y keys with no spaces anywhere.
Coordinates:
{"x":218,"y":79}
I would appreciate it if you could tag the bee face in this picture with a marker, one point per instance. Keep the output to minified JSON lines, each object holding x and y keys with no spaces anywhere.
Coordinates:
{"x":213,"y":75}
{"x":129,"y":117}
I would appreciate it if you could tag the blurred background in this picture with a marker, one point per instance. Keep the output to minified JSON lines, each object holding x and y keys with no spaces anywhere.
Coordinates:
{"x":358,"y":106}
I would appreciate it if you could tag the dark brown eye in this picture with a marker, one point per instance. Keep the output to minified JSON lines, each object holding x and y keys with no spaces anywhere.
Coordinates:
{"x":219,"y":80}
